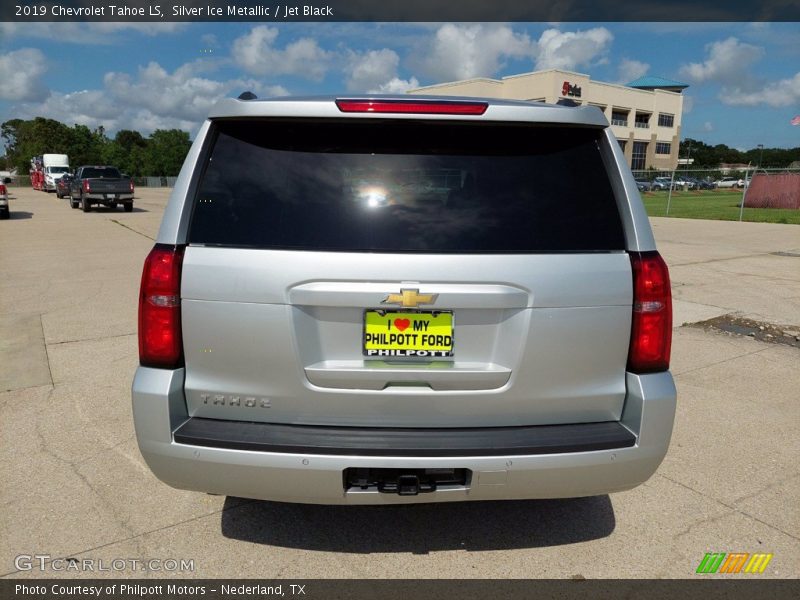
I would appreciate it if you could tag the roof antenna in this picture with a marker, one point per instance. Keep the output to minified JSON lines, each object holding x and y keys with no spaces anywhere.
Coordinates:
{"x":247,"y":96}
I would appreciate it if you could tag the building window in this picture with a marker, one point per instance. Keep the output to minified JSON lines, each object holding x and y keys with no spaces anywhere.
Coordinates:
{"x":619,"y":117}
{"x":663,"y":147}
{"x":639,"y":156}
{"x":642,"y":120}
{"x":665,"y":120}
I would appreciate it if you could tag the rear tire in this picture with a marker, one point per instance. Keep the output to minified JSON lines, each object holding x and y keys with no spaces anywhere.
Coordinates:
{"x":85,"y":206}
{"x":73,"y":203}
{"x":128,"y":206}
{"x":4,"y":214}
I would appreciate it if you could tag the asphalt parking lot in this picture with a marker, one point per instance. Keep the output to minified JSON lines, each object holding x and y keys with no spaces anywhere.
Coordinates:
{"x":74,"y":484}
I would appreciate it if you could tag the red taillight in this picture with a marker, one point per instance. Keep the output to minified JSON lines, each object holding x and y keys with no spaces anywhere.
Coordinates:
{"x":131,"y":186}
{"x":423,"y":107}
{"x":160,"y":342}
{"x":2,"y":189}
{"x":86,"y":187}
{"x":651,"y":329}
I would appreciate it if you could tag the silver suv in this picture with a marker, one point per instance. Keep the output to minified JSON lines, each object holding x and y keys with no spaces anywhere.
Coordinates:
{"x":387,"y":300}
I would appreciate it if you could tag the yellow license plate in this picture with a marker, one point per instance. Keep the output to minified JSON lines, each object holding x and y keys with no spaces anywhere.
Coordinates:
{"x":397,"y":333}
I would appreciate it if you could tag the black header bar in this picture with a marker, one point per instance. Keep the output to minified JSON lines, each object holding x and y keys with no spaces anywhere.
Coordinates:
{"x":277,"y":11}
{"x":747,"y":587}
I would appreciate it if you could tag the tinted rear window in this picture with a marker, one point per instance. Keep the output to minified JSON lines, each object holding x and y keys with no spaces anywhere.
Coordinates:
{"x":96,"y":173}
{"x":403,"y":186}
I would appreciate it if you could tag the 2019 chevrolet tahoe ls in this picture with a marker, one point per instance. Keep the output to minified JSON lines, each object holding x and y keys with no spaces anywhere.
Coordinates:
{"x":389,"y":299}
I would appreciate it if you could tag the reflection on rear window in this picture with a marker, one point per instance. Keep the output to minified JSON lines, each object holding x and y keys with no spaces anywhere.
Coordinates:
{"x":403,"y":186}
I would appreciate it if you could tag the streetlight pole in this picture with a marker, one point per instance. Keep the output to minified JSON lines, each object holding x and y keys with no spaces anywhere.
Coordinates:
{"x":688,"y":156}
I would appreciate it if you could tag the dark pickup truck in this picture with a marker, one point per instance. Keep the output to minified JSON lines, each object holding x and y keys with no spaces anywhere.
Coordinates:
{"x":100,"y":185}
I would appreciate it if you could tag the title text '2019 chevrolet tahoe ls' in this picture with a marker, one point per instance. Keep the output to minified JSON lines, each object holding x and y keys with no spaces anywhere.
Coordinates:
{"x":387,"y":300}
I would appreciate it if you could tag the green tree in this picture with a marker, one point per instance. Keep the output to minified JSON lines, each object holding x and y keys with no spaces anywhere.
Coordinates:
{"x":86,"y":147}
{"x":25,"y":139}
{"x":166,"y":151}
{"x":126,"y":151}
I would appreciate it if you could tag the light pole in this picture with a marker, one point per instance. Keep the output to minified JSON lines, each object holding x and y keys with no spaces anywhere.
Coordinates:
{"x":688,"y":156}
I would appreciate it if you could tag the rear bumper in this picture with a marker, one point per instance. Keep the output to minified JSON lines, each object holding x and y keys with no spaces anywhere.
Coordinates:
{"x":104,"y":198}
{"x":306,"y":464}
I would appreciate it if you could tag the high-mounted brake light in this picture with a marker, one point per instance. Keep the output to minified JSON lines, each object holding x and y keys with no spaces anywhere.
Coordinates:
{"x":651,"y":327}
{"x":160,"y":343}
{"x":421,"y":107}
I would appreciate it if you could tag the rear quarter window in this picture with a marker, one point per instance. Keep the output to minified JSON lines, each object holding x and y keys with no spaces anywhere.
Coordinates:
{"x":405,"y":186}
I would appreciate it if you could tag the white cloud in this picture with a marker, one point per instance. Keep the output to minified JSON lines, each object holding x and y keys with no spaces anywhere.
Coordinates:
{"x":688,"y":104}
{"x":628,"y":70}
{"x":707,"y":126}
{"x":21,"y":74}
{"x":209,"y":40}
{"x":149,"y":29}
{"x":256,"y":53}
{"x":474,"y":50}
{"x":91,"y":108}
{"x":726,"y":62}
{"x":572,"y":49}
{"x":152,"y":99}
{"x":367,"y":70}
{"x":785,"y":92}
{"x":396,"y":86}
{"x":180,"y":94}
{"x":376,"y":72}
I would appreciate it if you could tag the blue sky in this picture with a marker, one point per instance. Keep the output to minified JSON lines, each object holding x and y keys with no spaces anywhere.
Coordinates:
{"x":744,"y":78}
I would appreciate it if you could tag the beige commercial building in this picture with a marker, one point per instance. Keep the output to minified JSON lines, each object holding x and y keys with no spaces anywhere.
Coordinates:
{"x":645,"y":114}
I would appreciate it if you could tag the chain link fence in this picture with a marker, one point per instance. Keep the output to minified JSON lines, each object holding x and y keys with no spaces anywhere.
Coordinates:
{"x":752,"y":187}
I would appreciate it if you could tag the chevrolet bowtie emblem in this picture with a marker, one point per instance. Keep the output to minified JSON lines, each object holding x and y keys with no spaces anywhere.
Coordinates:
{"x":410,"y":298}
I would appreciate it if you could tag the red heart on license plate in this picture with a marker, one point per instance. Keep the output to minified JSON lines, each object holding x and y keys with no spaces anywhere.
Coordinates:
{"x":402,"y":324}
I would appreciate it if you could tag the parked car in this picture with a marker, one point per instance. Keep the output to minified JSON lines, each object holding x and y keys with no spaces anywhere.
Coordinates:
{"x":702,"y":184}
{"x":681,"y":182}
{"x":730,"y":182}
{"x":63,"y":186}
{"x":100,"y":185}
{"x":644,"y":185}
{"x":661,"y":183}
{"x":302,"y":340}
{"x":5,"y":210}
